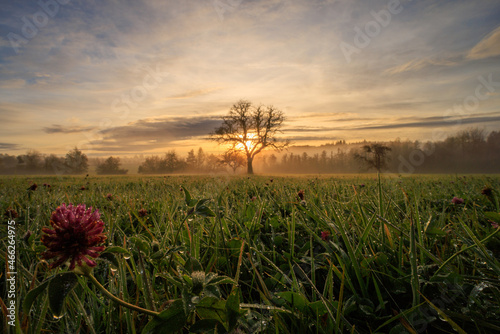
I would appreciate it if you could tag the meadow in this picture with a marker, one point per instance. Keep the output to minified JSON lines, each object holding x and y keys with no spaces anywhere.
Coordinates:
{"x":262,"y":254}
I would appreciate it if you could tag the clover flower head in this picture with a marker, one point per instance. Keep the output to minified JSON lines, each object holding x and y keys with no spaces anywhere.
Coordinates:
{"x":457,"y":200}
{"x":143,"y":212}
{"x":10,"y":213}
{"x":76,"y":235}
{"x":300,"y":195}
{"x":487,"y":191}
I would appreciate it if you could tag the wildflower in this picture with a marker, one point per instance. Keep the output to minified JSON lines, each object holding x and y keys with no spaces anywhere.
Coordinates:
{"x":457,"y":200}
{"x":325,"y":235}
{"x":33,"y":187}
{"x":83,"y":188}
{"x":143,"y":213}
{"x":487,"y":191}
{"x":11,"y":213}
{"x":46,"y":185}
{"x":494,"y":224}
{"x":109,"y":196}
{"x":76,"y":235}
{"x":300,"y":194}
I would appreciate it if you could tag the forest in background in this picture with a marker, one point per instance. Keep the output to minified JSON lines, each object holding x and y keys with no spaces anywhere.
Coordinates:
{"x":468,"y":151}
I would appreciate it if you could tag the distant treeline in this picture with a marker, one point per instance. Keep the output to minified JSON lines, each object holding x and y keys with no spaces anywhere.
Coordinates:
{"x":469,"y":151}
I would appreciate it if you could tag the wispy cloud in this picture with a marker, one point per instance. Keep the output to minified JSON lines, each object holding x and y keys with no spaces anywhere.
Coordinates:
{"x":155,"y":133}
{"x":432,"y":122}
{"x":56,"y":128}
{"x":8,"y":146}
{"x":489,"y":46}
{"x":192,"y":94}
{"x":418,"y":64}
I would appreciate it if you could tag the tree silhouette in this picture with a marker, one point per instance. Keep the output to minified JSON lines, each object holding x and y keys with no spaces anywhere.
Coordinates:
{"x":375,"y":156}
{"x":76,"y":162}
{"x":250,"y":130}
{"x":233,"y":159}
{"x":110,"y":166}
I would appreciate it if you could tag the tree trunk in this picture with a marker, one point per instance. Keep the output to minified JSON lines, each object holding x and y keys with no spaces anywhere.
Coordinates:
{"x":249,"y":165}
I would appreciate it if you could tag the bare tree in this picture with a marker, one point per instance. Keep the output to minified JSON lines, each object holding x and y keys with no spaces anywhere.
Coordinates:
{"x":375,"y":156}
{"x":250,"y":130}
{"x":233,"y":159}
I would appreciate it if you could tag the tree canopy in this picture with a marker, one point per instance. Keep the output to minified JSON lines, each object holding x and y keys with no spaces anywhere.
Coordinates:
{"x":375,"y":156}
{"x":250,"y":129}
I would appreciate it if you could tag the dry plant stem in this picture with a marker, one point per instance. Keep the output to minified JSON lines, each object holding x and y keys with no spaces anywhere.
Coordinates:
{"x":118,"y":300}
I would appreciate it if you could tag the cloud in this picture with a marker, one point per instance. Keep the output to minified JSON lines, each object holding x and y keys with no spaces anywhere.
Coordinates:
{"x":155,"y":133}
{"x":192,"y":94}
{"x":433,"y":122}
{"x":488,"y":47}
{"x":56,"y":128}
{"x":419,"y":64}
{"x":311,"y":138}
{"x":9,"y":146}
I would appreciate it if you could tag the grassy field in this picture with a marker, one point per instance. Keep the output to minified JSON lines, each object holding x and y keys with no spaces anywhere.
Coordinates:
{"x":262,"y":254}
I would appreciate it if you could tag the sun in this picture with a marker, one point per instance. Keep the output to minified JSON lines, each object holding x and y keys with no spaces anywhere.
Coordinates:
{"x":249,"y":143}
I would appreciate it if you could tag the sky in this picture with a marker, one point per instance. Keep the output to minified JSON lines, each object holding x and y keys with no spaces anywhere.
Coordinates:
{"x":129,"y":77}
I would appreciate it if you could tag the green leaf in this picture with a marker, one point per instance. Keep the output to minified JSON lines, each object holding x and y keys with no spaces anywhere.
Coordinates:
{"x":202,"y":210}
{"x":192,"y":265}
{"x":170,"y":320}
{"x":187,"y":197}
{"x":296,"y":300}
{"x":206,"y":326}
{"x":33,"y":294}
{"x":449,"y":278}
{"x":212,"y":308}
{"x":158,"y":255}
{"x":221,"y":280}
{"x":434,"y":231}
{"x":211,"y":291}
{"x":140,"y":244}
{"x":319,"y":308}
{"x":110,"y":257}
{"x":116,"y":249}
{"x":59,"y":287}
{"x":233,"y":308}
